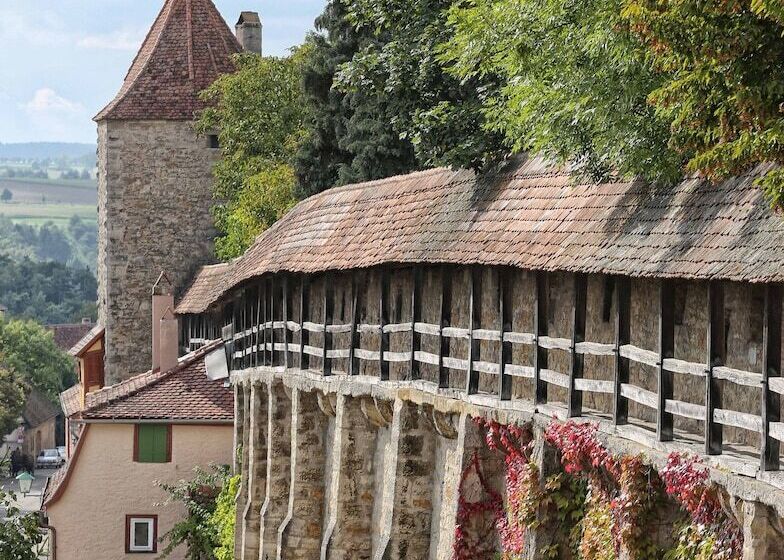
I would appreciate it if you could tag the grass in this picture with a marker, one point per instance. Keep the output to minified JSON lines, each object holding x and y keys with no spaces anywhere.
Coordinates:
{"x":77,"y":183}
{"x":38,"y":214}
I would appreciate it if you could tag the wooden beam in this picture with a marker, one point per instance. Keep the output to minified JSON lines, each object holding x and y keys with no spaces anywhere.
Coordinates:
{"x":622,"y":338}
{"x":664,"y":419}
{"x":271,"y":322}
{"x":383,"y":319}
{"x":304,"y":336}
{"x":446,"y":320}
{"x":505,"y":315}
{"x":579,"y":310}
{"x":286,"y":314}
{"x":771,"y":361}
{"x":353,"y":361}
{"x":257,"y":336}
{"x":416,"y":317}
{"x":716,"y":357}
{"x":329,"y":310}
{"x":540,"y":330}
{"x":474,"y":323}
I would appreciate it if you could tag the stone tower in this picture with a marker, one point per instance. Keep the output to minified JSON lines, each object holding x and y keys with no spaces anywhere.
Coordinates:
{"x":155,"y":175}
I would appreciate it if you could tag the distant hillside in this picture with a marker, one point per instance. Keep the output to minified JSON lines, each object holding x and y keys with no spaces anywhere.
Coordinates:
{"x":46,"y":150}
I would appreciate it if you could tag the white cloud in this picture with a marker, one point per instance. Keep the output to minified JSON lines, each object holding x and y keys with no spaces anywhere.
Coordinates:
{"x":47,"y":101}
{"x":122,"y":40}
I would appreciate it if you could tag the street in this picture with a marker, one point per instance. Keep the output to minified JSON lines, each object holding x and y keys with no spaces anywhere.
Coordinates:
{"x":31,"y":502}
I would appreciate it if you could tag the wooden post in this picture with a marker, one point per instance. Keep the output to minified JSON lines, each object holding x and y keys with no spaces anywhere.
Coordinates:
{"x":383,"y":304}
{"x":329,"y":308}
{"x":446,"y":319}
{"x":286,"y":313}
{"x":353,"y":361}
{"x":244,"y":325}
{"x":416,"y":317}
{"x":505,"y":316}
{"x":257,"y":337}
{"x":540,"y":319}
{"x":474,"y":322}
{"x":304,"y":336}
{"x":263,"y":326}
{"x":664,"y":419}
{"x":579,"y":310}
{"x":622,"y":337}
{"x":271,"y":322}
{"x":716,"y":357}
{"x":771,"y":361}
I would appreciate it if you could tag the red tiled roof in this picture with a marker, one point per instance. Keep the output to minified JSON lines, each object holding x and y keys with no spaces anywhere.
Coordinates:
{"x":181,"y":394}
{"x":208,"y":280}
{"x":66,"y":335}
{"x":532,"y":215}
{"x":187,"y":48}
{"x":70,"y":400}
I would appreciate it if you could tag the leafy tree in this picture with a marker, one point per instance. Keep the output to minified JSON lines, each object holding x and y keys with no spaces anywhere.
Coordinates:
{"x":29,"y":351}
{"x":11,"y":400}
{"x":6,"y":196}
{"x":259,"y":114}
{"x":349,"y":135}
{"x":438,"y":113}
{"x":723,"y":82}
{"x":20,"y":535}
{"x":223,"y":519}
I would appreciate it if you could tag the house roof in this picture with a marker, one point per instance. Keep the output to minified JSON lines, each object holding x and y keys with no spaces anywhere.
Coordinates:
{"x":70,"y":400}
{"x":532,"y":215}
{"x":78,"y":349}
{"x":208,"y":280}
{"x":38,"y":409}
{"x":67,"y":335}
{"x":182,"y":394}
{"x":187,"y":48}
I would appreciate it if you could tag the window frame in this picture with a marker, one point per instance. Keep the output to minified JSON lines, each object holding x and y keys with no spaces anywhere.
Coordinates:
{"x":168,"y":444}
{"x":130,"y":521}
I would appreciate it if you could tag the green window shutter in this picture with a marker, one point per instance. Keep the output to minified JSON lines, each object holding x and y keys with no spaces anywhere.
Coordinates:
{"x":153,"y":443}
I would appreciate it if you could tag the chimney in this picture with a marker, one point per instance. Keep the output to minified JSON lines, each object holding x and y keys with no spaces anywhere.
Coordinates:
{"x":248,"y":30}
{"x":169,"y":337}
{"x":162,"y":299}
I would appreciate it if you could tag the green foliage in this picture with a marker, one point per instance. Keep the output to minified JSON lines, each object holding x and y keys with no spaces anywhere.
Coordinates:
{"x":48,"y":292}
{"x":20,"y":536}
{"x":201,"y":532}
{"x":11,"y":400}
{"x":29,"y":352}
{"x":258,"y":113}
{"x":223,"y":518}
{"x":6,"y":196}
{"x":723,"y":87}
{"x":75,"y":245}
{"x":349,"y":137}
{"x":439,"y":113}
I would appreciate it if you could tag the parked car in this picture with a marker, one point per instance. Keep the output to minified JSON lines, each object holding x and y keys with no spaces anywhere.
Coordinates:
{"x":63,"y":453}
{"x":49,"y":459}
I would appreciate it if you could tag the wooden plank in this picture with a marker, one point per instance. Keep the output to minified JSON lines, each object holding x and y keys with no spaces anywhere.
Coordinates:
{"x":455,"y":363}
{"x":426,"y":358}
{"x":304,"y":335}
{"x":445,"y":305}
{"x":286,"y":313}
{"x":554,"y":377}
{"x":397,"y":328}
{"x":741,"y":420}
{"x":343,"y":353}
{"x":595,"y":386}
{"x":486,"y":367}
{"x":552,"y":343}
{"x":595,"y":349}
{"x":674,"y":365}
{"x":456,"y":332}
{"x":520,"y":338}
{"x":383,"y":307}
{"x":313,"y":327}
{"x":312,"y":350}
{"x":487,"y":334}
{"x":776,"y":430}
{"x":271,"y":322}
{"x":416,"y":317}
{"x":717,"y":347}
{"x":369,"y":355}
{"x":685,"y":409}
{"x":337,"y":329}
{"x":474,"y":322}
{"x":540,"y":329}
{"x":639,"y":395}
{"x":397,"y":356}
{"x":328,"y":306}
{"x":664,"y":419}
{"x":579,"y":309}
{"x":520,"y":371}
{"x":776,"y":384}
{"x":771,"y":360}
{"x":639,"y":355}
{"x":505,"y":316}
{"x":369,"y":329}
{"x":427,"y":328}
{"x":353,"y":362}
{"x":739,"y":377}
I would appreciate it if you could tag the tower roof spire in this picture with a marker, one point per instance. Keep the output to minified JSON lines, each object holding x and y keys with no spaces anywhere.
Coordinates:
{"x":187,"y":48}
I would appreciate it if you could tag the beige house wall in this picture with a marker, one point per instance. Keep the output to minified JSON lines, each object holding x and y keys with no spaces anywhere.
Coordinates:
{"x":106,"y":485}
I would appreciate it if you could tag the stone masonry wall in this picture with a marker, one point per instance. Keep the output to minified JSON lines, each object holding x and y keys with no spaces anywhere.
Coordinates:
{"x":154,"y":199}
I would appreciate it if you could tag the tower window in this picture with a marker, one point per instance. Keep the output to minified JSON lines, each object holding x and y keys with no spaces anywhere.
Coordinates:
{"x":213,"y":142}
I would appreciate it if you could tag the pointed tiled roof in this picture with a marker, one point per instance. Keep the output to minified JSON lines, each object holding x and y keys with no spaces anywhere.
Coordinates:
{"x":187,"y":48}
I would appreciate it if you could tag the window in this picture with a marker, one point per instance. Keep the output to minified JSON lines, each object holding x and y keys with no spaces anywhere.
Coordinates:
{"x":213,"y":142}
{"x":141,"y":533}
{"x":152,"y":443}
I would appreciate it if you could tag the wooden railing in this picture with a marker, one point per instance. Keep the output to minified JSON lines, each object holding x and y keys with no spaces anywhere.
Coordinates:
{"x":264,"y":330}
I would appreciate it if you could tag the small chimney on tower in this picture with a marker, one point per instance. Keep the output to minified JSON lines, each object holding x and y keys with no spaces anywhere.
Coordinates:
{"x":248,"y":31}
{"x":162,"y":299}
{"x":169,"y":329}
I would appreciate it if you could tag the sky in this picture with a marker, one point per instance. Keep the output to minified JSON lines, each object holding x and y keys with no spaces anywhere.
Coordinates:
{"x":61,"y":61}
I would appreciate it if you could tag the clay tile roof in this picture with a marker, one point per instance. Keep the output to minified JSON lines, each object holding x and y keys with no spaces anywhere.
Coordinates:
{"x":187,"y":48}
{"x":67,"y":335}
{"x":531,"y":215}
{"x":87,"y":340}
{"x":70,"y":400}
{"x":184,"y":393}
{"x":208,"y":280}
